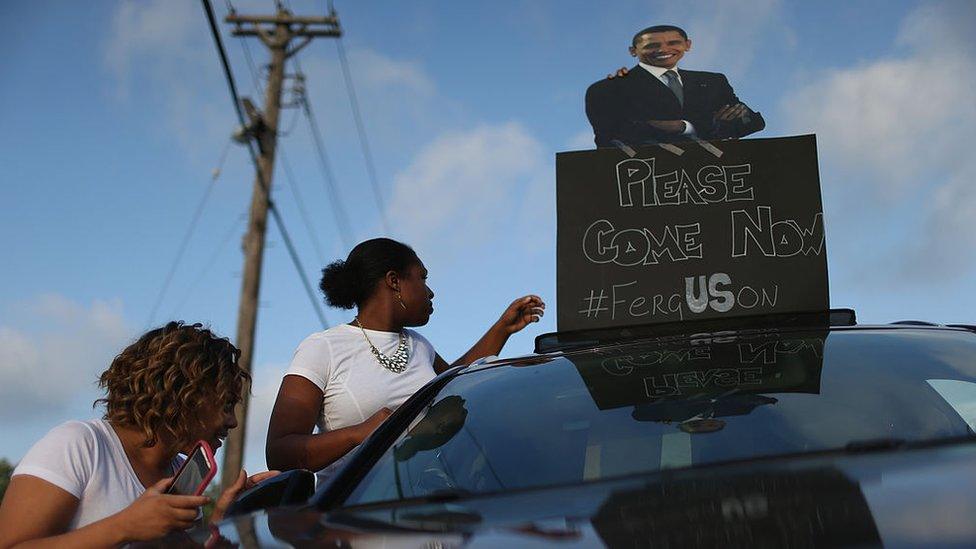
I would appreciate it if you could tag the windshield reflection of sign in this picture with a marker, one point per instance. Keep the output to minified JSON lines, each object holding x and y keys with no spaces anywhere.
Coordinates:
{"x":671,"y":383}
{"x":695,"y":408}
{"x":821,"y":508}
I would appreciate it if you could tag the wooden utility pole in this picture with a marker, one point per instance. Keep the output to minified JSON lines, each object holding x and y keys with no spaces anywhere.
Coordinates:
{"x":276,"y":32}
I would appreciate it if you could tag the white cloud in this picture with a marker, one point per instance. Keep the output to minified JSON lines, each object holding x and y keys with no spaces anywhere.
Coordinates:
{"x":149,"y":28}
{"x":903,"y":127}
{"x":48,"y":366}
{"x":397,"y":97}
{"x":713,"y":26}
{"x":886,"y":115}
{"x":375,"y":70}
{"x":581,"y":141}
{"x":162,"y":60}
{"x":468,"y":186}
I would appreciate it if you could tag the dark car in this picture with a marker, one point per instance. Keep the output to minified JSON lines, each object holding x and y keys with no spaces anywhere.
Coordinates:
{"x":803,"y":430}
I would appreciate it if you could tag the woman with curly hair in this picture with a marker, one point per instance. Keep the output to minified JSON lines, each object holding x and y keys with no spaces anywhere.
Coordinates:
{"x":347,"y":379}
{"x":101,"y":482}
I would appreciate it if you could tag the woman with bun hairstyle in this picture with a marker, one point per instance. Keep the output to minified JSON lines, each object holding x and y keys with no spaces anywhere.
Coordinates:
{"x":102,"y":482}
{"x":348,"y":379}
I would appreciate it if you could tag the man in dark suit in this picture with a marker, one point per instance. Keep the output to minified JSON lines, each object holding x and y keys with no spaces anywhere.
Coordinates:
{"x":658,"y":102}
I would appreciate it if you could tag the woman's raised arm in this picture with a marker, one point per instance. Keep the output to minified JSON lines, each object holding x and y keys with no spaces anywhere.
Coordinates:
{"x":522,"y":312}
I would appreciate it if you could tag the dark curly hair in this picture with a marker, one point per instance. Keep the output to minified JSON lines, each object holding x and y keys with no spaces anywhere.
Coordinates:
{"x":347,"y":284}
{"x":163,"y":382}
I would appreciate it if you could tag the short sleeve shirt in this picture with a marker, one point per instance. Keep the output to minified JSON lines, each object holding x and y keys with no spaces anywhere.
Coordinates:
{"x":354,"y":384}
{"x":87,"y":460}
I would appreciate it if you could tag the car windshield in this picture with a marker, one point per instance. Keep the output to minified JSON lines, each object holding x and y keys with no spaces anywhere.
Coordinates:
{"x":684,"y":402}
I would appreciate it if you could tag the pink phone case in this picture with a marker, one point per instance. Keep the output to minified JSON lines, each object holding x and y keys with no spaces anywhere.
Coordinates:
{"x":209,"y":456}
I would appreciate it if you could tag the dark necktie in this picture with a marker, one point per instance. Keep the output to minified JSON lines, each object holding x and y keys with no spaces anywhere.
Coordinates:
{"x":675,"y":86}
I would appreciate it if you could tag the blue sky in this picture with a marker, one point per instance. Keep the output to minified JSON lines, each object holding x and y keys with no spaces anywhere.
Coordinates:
{"x":115,"y":116}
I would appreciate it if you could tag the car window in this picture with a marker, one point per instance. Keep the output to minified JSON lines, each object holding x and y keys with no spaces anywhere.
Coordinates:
{"x":648,"y":407}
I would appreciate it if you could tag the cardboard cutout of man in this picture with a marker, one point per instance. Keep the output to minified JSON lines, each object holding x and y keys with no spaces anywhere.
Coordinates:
{"x":657,"y":101}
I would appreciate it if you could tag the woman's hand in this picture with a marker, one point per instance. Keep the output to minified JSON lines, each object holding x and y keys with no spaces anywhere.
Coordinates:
{"x":522,"y":312}
{"x":242,"y":483}
{"x":155,"y":514}
{"x":366,"y":428}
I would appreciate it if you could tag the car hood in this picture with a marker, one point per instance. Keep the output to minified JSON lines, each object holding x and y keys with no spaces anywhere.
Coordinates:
{"x":895,"y":498}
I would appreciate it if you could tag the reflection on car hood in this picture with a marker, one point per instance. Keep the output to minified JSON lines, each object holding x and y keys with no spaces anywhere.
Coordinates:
{"x":915,"y":497}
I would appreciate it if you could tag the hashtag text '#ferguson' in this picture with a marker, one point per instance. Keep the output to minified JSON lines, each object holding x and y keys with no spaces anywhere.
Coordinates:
{"x":715,"y":292}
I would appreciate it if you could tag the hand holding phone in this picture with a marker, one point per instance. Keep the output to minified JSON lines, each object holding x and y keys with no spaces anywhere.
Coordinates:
{"x":196,"y":472}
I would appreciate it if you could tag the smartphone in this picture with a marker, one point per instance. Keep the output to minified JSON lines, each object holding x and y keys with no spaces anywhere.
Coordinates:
{"x":196,"y":472}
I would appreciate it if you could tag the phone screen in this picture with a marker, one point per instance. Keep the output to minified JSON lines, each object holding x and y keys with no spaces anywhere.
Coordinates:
{"x":196,"y":468}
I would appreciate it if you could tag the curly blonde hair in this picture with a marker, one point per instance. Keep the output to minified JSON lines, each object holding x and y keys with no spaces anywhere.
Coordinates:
{"x":162,"y":383}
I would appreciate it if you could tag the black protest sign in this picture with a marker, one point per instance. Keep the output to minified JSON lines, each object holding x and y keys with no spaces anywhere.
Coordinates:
{"x":665,"y":237}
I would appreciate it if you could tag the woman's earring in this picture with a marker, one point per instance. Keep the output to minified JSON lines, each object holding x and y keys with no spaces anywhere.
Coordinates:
{"x":400,"y":299}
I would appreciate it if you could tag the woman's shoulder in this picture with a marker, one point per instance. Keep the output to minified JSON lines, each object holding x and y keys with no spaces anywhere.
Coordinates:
{"x":314,"y":357}
{"x":74,"y":432}
{"x":79,"y":438}
{"x":329,"y":335}
{"x":323,"y":342}
{"x":66,"y":455}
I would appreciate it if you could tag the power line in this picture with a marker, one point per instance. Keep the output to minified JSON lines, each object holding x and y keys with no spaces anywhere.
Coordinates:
{"x":328,"y":178}
{"x":206,"y":268}
{"x":184,"y":244}
{"x":357,"y":116}
{"x":361,"y":129}
{"x":328,"y":175}
{"x":255,"y":78}
{"x":275,"y":214}
{"x":325,"y":166}
{"x":289,"y":176}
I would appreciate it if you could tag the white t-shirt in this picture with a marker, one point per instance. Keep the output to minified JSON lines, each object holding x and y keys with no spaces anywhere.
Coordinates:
{"x":87,"y":460}
{"x":354,"y":385}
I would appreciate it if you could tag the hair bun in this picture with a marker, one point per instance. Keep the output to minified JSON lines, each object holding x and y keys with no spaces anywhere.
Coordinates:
{"x":347,"y":284}
{"x":340,"y":284}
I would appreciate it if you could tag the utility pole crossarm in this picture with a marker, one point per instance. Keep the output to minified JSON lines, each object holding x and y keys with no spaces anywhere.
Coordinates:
{"x":258,"y":31}
{"x":270,"y":27}
{"x":283,"y":17}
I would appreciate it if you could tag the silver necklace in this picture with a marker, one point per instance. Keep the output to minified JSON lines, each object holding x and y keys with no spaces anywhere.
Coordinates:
{"x":396,"y":363}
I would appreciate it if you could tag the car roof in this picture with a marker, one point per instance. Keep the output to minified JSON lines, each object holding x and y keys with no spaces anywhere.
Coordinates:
{"x":566,"y":342}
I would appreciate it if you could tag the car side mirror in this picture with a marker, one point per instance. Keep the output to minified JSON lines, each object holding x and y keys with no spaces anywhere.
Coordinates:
{"x":288,"y":488}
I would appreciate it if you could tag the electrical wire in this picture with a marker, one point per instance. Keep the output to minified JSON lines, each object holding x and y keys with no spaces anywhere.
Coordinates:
{"x":325,"y":166}
{"x":206,"y":268}
{"x":291,"y":127}
{"x":290,"y":177}
{"x":255,"y":78}
{"x":328,"y":178}
{"x":184,"y":244}
{"x":361,"y":129}
{"x":275,"y":214}
{"x":357,"y":116}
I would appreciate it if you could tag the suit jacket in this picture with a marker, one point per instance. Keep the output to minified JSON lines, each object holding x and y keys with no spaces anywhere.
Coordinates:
{"x":618,"y":108}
